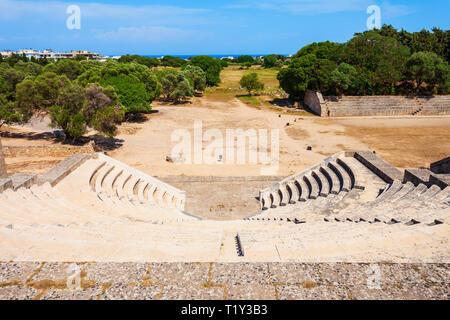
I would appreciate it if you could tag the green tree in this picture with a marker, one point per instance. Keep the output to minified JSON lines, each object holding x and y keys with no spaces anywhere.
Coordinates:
{"x":146,"y":61}
{"x":13,"y":59}
{"x":211,"y":66}
{"x":343,"y":77}
{"x":322,"y":50}
{"x":28,"y":68}
{"x":11,"y":77}
{"x":428,"y":71}
{"x":103,"y":110}
{"x":381,"y":58}
{"x":270,"y":61}
{"x":246,"y":59}
{"x":251,"y":83}
{"x":80,"y":57}
{"x":9,"y":114}
{"x":175,"y":86}
{"x":175,"y":62}
{"x":36,"y":95}
{"x":246,"y":65}
{"x":67,"y":114}
{"x":196,"y":77}
{"x":132,"y":92}
{"x":306,"y":72}
{"x":71,"y":68}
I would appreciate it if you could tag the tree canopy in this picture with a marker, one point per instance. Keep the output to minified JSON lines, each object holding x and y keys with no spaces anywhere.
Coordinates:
{"x":211,"y":66}
{"x":376,"y":62}
{"x":251,"y":82}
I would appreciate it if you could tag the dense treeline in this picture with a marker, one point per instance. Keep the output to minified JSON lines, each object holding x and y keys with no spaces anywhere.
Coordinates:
{"x":78,"y":94}
{"x":377,"y":62}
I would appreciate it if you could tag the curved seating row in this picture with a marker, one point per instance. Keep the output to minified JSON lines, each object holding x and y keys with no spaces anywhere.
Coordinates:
{"x":330,"y":177}
{"x":402,"y":203}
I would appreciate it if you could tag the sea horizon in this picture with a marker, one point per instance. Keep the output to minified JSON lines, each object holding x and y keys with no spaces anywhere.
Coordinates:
{"x":187,"y":56}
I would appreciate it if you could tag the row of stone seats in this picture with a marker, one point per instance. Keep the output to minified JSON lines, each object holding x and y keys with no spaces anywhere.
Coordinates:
{"x":386,"y":105}
{"x":126,"y":182}
{"x":119,"y":241}
{"x":313,"y":209}
{"x":332,"y":176}
{"x":338,"y":242}
{"x":122,"y":191}
{"x":370,"y":106}
{"x":45,"y":205}
{"x":202,"y":241}
{"x":402,"y":203}
{"x":115,"y":189}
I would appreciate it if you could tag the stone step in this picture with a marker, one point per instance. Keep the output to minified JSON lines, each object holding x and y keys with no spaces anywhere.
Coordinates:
{"x":313,"y":186}
{"x":324,"y":186}
{"x":333,"y":179}
{"x":343,"y":176}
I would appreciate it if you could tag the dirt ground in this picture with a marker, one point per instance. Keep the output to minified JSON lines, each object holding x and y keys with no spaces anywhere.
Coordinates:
{"x":405,"y":142}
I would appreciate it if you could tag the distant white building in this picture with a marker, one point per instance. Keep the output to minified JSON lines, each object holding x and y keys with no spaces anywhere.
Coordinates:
{"x":49,"y":54}
{"x":6,"y":53}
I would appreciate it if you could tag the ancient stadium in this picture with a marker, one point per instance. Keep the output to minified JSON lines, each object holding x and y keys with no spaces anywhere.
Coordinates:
{"x":314,"y":233}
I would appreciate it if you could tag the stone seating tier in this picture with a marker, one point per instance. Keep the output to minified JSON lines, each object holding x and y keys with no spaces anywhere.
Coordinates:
{"x":350,"y":207}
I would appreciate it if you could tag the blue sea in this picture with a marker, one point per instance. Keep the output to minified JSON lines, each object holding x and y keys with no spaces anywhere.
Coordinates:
{"x":187,"y":56}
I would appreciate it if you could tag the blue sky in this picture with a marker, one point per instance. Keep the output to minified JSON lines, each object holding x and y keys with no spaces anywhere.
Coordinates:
{"x":114,"y":27}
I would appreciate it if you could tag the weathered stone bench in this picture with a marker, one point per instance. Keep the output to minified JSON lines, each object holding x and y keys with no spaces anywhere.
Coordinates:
{"x":64,"y":168}
{"x":384,"y":170}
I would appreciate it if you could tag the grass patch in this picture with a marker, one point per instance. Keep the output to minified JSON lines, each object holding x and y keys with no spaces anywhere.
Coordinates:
{"x":251,"y":100}
{"x":231,"y":75}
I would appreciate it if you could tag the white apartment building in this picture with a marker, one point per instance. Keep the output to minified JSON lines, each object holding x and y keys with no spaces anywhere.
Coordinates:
{"x":49,"y":54}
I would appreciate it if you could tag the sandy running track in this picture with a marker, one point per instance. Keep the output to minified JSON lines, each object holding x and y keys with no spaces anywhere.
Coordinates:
{"x":147,"y":148}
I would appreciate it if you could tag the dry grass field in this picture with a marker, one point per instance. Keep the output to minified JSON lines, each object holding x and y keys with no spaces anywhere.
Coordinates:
{"x":231,"y":75}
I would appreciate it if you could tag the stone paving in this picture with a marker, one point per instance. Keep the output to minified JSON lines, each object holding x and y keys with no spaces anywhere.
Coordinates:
{"x":217,"y":281}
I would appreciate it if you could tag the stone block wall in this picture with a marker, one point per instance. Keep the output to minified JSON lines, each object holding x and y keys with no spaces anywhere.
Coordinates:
{"x":2,"y":163}
{"x":381,"y":168}
{"x":221,"y":198}
{"x":441,"y":167}
{"x":64,"y":168}
{"x":315,"y":102}
{"x":46,"y":151}
{"x":357,"y":106}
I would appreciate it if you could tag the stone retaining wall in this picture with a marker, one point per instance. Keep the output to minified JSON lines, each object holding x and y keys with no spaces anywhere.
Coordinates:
{"x":383,"y":169}
{"x":221,"y":198}
{"x":46,"y":151}
{"x":315,"y":102}
{"x":356,"y":106}
{"x":64,"y":168}
{"x":2,"y":163}
{"x":5,"y":184}
{"x":441,"y":166}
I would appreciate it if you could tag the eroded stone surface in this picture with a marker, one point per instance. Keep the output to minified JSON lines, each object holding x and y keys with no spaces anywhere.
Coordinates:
{"x":235,"y":281}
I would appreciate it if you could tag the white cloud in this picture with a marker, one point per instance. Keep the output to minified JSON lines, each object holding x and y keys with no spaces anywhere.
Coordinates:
{"x":394,"y":11}
{"x":149,"y":34}
{"x":98,"y":13}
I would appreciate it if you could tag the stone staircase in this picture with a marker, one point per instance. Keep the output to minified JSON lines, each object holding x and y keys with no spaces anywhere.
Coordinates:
{"x":357,"y":193}
{"x":436,"y":105}
{"x":335,"y":179}
{"x":371,"y":106}
{"x":347,"y":106}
